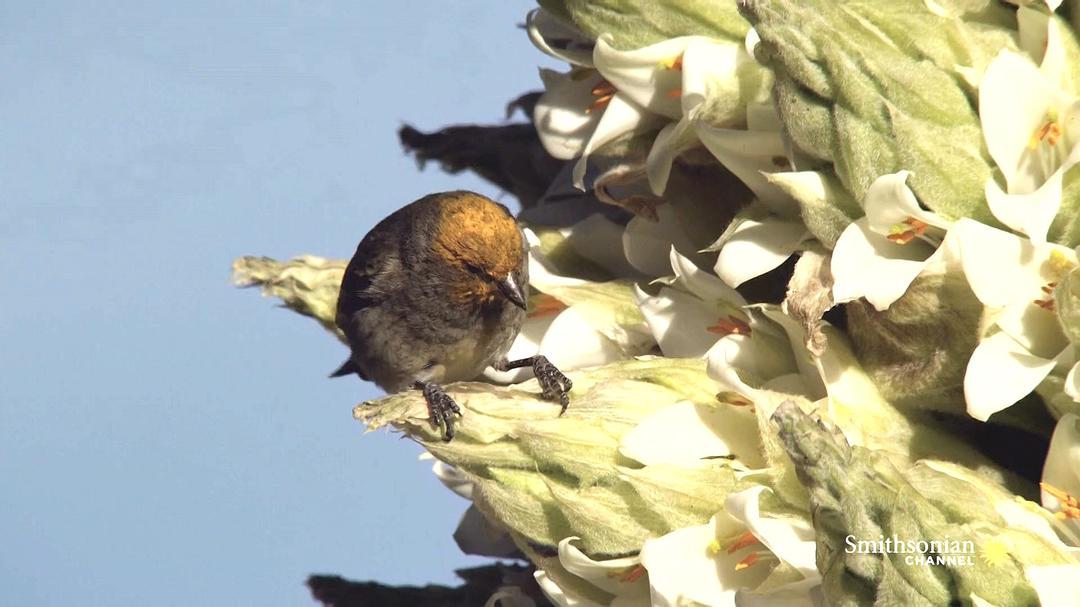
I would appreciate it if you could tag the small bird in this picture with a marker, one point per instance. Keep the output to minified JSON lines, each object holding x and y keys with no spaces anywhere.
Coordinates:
{"x":435,"y":293}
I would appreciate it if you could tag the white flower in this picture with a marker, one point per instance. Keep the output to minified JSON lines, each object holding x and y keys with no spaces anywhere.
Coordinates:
{"x":1061,"y":476}
{"x":1016,"y":277}
{"x":623,"y":578}
{"x":879,"y":255}
{"x":651,"y":76}
{"x":774,"y":358}
{"x":723,"y":562}
{"x":580,"y":112}
{"x":1032,"y":130}
{"x":695,"y":310}
{"x":562,"y":117}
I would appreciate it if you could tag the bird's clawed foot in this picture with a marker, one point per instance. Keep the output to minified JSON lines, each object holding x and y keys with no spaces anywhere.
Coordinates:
{"x":441,"y":407}
{"x":554,"y":385}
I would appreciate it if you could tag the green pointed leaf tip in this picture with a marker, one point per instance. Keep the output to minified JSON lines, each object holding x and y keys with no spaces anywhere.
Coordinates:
{"x":873,"y":88}
{"x":307,"y":284}
{"x":857,"y":494}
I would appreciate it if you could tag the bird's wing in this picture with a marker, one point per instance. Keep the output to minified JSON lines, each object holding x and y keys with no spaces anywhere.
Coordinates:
{"x":359,"y":285}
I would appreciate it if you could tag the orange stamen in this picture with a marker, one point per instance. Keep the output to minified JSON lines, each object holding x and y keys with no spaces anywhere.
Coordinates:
{"x":1045,"y":304}
{"x":602,"y":102}
{"x":1050,"y":132}
{"x":732,"y":325}
{"x":901,"y":235}
{"x":1070,"y":506}
{"x":674,"y":93}
{"x":747,"y":562}
{"x":604,"y":91}
{"x":734,"y":399}
{"x":744,"y":540}
{"x":633,"y":575}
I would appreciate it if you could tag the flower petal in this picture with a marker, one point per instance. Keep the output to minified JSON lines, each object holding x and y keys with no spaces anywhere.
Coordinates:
{"x":453,"y":479}
{"x":563,"y":125}
{"x":1029,"y":214}
{"x":619,"y":118}
{"x":571,"y":342}
{"x":791,"y":539}
{"x":671,"y":141}
{"x":867,"y":264}
{"x":685,"y":434}
{"x":1036,"y":329}
{"x":1002,"y":267}
{"x":889,"y":202}
{"x":558,"y":39}
{"x":711,"y":80}
{"x":1055,"y":584}
{"x":646,"y":244}
{"x":704,"y":284}
{"x":557,"y":595}
{"x":1062,"y":468}
{"x":684,"y":565}
{"x":999,"y":373}
{"x":749,"y":154}
{"x":645,"y":75}
{"x":1013,"y":101}
{"x":756,"y":247}
{"x":602,"y":574}
{"x":679,"y":321}
{"x":1072,"y":383}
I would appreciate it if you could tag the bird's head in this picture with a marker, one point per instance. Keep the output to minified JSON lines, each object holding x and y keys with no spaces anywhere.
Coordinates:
{"x":482,"y":244}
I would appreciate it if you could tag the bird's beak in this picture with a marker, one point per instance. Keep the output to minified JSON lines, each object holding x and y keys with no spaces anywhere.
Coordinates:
{"x":513,"y":291}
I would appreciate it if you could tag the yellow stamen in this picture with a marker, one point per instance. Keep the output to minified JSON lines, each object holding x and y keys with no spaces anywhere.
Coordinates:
{"x":713,"y":549}
{"x":1059,"y":262}
{"x":672,"y":64}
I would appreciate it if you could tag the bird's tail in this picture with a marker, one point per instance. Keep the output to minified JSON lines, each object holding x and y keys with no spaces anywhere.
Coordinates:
{"x":346,"y":368}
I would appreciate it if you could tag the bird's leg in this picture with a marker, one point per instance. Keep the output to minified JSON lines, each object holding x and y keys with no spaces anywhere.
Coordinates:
{"x":441,"y":406}
{"x":553,"y":384}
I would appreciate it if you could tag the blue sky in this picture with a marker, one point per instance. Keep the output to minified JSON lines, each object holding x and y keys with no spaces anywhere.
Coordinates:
{"x":166,"y":438}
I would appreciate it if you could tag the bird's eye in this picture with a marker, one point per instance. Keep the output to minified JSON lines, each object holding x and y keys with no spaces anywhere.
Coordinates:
{"x":473,"y":268}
